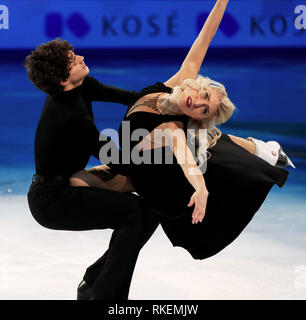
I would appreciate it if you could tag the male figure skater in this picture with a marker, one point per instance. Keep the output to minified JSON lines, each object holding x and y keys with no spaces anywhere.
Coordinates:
{"x":66,"y":137}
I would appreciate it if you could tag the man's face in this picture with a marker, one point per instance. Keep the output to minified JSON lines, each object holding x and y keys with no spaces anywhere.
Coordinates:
{"x":78,"y":71}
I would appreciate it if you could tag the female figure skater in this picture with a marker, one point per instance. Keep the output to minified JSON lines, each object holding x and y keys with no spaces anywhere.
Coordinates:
{"x":240,"y":172}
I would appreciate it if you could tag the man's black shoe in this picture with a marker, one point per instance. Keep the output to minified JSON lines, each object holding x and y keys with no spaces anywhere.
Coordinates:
{"x":84,"y":291}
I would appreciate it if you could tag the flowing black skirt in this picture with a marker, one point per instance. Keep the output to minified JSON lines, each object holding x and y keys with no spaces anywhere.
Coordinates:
{"x":238,"y":183}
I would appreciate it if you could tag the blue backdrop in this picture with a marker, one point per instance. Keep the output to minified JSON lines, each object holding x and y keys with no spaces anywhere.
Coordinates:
{"x":132,"y":44}
{"x":117,"y":24}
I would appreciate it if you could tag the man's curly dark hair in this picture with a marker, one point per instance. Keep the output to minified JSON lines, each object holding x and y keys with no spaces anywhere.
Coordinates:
{"x":49,"y":64}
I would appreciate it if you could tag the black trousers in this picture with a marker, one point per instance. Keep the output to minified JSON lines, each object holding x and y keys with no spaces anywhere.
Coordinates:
{"x":62,"y":207}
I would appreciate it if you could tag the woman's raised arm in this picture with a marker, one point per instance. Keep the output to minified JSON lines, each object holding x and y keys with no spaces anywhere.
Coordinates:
{"x":193,"y":61}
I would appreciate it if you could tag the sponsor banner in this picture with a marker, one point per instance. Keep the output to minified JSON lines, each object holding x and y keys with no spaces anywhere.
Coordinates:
{"x":133,"y":24}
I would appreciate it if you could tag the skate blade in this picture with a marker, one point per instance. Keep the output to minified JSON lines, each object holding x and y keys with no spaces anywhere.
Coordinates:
{"x":290,"y":163}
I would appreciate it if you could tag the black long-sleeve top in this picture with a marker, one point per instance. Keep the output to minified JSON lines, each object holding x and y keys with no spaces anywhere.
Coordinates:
{"x":66,"y":135}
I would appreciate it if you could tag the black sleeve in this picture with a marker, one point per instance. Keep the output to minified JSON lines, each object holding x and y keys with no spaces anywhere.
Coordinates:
{"x":93,"y":90}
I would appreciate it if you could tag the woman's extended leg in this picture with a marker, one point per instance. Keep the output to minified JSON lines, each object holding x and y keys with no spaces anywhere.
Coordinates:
{"x":244,"y":143}
{"x":101,"y":177}
{"x":270,"y":151}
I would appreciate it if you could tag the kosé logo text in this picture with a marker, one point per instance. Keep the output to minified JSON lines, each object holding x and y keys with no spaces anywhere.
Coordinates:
{"x":300,"y":20}
{"x":4,"y":17}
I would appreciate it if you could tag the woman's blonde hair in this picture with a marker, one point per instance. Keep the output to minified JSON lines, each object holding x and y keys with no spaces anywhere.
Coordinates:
{"x":223,"y":113}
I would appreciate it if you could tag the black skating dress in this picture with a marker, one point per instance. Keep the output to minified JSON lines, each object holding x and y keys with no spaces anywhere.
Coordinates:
{"x":237,"y":181}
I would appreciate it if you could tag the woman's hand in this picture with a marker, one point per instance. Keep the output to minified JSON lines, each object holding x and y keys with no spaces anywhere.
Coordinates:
{"x":199,"y":199}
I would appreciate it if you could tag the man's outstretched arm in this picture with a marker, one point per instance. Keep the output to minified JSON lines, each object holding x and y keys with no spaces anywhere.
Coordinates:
{"x":94,"y":90}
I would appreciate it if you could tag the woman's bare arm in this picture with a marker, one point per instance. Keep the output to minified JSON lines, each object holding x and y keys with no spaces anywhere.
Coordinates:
{"x":194,"y":59}
{"x":171,"y":134}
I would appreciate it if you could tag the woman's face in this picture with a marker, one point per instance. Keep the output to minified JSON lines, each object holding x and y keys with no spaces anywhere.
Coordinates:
{"x":199,"y":104}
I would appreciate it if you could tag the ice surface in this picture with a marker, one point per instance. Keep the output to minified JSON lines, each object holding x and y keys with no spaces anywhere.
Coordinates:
{"x":37,"y":263}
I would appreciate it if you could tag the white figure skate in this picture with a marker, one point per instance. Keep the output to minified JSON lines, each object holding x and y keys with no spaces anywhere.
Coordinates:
{"x":272,"y":152}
